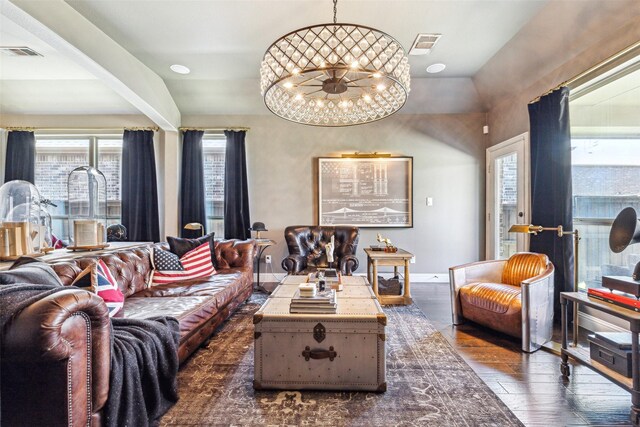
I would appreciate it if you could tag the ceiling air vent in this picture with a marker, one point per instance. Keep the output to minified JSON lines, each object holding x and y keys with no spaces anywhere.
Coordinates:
{"x":18,"y":51}
{"x":423,"y":44}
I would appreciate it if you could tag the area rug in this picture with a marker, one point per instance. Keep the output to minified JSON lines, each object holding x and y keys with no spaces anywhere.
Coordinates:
{"x":428,"y":384}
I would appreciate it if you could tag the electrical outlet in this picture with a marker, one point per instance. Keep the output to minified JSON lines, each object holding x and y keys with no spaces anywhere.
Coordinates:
{"x":413,"y":260}
{"x":267,"y":259}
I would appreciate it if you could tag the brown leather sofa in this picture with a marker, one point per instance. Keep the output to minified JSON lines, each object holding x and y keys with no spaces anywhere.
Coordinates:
{"x":307,"y":253}
{"x":513,"y":296}
{"x":58,"y":348}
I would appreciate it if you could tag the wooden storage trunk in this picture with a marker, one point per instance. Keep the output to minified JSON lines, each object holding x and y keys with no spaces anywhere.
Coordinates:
{"x":342,"y":351}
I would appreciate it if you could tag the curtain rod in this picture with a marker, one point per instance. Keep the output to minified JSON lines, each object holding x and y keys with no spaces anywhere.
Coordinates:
{"x":216,"y":129}
{"x":609,"y":62}
{"x":19,"y":128}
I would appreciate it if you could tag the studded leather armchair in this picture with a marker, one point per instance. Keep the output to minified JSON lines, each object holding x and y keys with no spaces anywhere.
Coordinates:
{"x":513,"y":296}
{"x":307,"y":248}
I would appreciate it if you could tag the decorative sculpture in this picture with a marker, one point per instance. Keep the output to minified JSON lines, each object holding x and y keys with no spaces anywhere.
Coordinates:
{"x":329,"y":248}
{"x":389,"y":247}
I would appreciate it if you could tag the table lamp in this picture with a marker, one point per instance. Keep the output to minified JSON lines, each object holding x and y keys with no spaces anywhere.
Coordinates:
{"x":195,"y":226}
{"x":258,"y":227}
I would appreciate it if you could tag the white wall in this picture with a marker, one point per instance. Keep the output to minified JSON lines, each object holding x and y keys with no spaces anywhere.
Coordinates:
{"x":448,"y":152}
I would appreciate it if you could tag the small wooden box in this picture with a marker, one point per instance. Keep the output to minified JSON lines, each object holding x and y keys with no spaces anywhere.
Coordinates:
{"x":342,"y":351}
{"x":613,"y":351}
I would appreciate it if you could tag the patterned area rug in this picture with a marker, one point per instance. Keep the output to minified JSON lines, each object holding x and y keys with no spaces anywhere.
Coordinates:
{"x":428,"y":384}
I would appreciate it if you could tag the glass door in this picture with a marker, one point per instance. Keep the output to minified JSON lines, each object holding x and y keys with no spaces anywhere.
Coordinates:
{"x":507,"y":196}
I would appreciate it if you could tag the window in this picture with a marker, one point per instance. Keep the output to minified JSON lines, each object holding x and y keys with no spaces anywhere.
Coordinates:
{"x":605,"y":170}
{"x":57,"y":156}
{"x":213,"y":147}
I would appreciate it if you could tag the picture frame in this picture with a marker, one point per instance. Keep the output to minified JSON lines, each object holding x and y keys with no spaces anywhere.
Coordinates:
{"x":370,"y":192}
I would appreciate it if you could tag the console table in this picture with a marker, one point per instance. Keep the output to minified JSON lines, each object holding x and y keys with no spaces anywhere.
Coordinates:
{"x":401,"y":258}
{"x":581,"y":354}
{"x":61,"y":254}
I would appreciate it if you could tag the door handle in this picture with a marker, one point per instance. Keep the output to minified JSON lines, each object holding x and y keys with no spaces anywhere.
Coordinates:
{"x":520,"y":214}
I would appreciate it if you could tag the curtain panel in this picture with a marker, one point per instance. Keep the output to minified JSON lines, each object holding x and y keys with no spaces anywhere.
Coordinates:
{"x":192,"y":192}
{"x":236,"y":190}
{"x":551,"y":190}
{"x":139,"y":187}
{"x":20,"y":162}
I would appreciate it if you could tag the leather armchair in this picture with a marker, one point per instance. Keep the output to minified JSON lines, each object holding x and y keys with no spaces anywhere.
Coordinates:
{"x":513,"y":296}
{"x":307,"y":248}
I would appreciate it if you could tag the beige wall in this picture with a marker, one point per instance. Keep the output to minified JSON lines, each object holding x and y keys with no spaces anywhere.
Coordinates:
{"x":509,"y":116}
{"x":448,"y":152}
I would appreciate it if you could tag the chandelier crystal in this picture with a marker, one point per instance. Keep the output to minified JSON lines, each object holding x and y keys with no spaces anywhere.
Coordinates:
{"x":335,"y":75}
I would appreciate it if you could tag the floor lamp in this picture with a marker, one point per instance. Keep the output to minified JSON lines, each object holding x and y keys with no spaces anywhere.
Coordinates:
{"x":535,"y":229}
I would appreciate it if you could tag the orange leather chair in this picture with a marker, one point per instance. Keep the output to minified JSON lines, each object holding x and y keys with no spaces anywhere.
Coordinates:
{"x":513,"y":296}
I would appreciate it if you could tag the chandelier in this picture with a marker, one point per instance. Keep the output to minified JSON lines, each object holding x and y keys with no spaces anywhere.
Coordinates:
{"x":335,"y":75}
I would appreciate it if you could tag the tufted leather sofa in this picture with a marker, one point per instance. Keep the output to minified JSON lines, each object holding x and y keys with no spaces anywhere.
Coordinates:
{"x":307,"y":248}
{"x":62,"y":342}
{"x":513,"y":296}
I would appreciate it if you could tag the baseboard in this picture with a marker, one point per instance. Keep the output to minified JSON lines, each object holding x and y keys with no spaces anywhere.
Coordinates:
{"x":593,"y":323}
{"x":415,"y":277}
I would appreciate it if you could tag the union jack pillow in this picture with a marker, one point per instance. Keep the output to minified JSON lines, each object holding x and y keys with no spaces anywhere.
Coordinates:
{"x":169,"y":268}
{"x":98,"y":279}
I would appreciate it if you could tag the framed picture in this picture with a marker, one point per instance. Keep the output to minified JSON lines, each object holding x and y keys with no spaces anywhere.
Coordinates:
{"x":365,"y":191}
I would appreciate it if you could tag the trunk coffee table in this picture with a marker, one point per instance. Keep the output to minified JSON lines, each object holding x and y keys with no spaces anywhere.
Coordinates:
{"x":342,"y":351}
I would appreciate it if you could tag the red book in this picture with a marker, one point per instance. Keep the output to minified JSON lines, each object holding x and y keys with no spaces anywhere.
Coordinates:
{"x":615,"y":297}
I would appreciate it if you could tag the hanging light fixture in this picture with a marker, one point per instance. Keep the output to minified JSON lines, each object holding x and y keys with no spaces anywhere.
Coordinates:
{"x":335,"y":75}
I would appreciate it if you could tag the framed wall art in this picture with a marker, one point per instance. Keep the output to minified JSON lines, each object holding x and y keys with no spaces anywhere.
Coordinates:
{"x":365,"y":191}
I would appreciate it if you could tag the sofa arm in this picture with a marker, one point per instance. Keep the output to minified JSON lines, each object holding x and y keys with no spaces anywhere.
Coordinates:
{"x":61,"y":339}
{"x":235,"y":253}
{"x":294,"y":264}
{"x":537,"y":309}
{"x":348,"y":264}
{"x":459,"y":276}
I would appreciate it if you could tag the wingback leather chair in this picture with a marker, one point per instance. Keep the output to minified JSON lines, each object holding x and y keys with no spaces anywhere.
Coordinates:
{"x":307,"y":248}
{"x":513,"y":296}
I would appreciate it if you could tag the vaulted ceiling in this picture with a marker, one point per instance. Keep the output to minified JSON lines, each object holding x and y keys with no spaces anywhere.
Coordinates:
{"x":113,"y":57}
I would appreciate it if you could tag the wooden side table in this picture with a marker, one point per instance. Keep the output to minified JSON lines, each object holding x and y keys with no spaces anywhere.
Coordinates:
{"x":261,"y":245}
{"x":377,"y":259}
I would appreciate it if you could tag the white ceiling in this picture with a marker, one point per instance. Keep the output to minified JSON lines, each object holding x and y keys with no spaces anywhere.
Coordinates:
{"x":51,"y":83}
{"x":223,"y":41}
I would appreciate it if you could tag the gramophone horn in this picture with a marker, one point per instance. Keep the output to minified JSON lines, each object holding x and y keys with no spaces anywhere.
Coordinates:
{"x":623,"y":231}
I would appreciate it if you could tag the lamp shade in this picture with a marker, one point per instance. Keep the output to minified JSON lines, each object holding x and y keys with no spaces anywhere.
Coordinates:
{"x":521,"y":228}
{"x":258,"y":226}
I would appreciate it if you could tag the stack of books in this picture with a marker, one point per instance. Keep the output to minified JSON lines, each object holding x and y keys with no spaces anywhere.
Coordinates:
{"x":618,"y":298}
{"x":321,"y":303}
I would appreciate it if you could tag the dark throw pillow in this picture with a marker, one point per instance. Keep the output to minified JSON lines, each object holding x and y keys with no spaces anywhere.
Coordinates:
{"x":180,"y":246}
{"x":29,"y":270}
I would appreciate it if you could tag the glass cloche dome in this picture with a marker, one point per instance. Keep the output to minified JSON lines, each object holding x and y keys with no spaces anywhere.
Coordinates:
{"x":87,"y":195}
{"x":22,"y":231}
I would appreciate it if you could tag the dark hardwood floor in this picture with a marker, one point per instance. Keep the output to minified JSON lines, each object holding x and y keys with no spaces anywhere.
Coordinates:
{"x":529,"y":384}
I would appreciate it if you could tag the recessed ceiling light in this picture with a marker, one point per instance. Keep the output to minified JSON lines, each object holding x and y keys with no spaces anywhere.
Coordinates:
{"x":435,"y":68}
{"x":180,"y":69}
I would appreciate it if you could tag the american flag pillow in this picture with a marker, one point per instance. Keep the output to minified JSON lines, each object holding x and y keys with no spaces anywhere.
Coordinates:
{"x":168,"y":268}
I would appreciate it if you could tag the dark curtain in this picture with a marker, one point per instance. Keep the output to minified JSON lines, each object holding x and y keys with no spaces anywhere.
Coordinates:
{"x":192,"y":205}
{"x":236,"y":191}
{"x":21,"y":156}
{"x":139,"y":187}
{"x":551,"y":192}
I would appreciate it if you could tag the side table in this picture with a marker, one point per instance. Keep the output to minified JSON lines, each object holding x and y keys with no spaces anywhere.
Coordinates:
{"x":261,"y":245}
{"x":582,"y":356}
{"x":401,"y":258}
